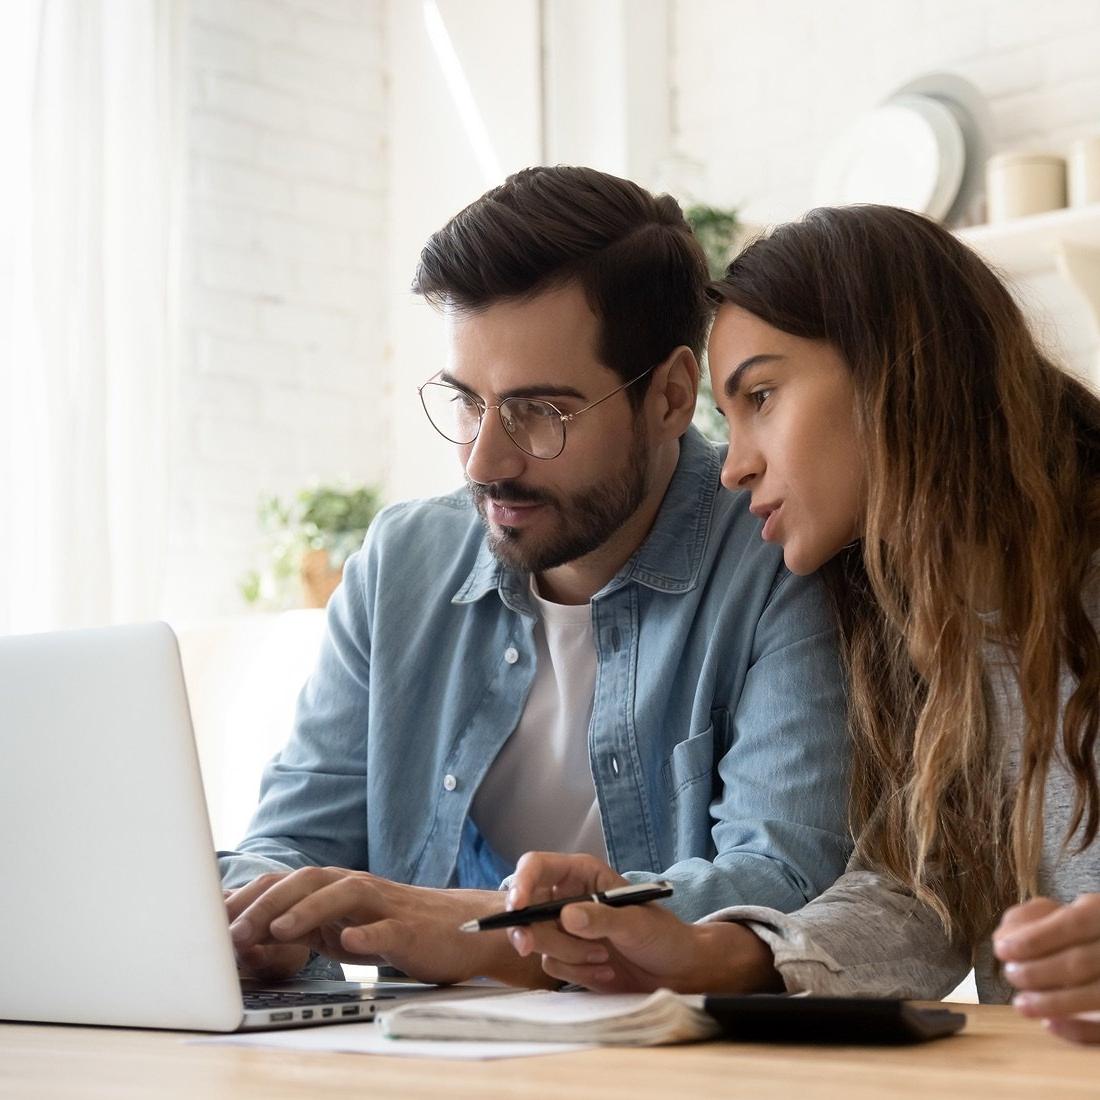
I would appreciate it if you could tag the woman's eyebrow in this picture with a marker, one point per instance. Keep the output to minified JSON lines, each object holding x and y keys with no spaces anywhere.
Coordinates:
{"x":733,"y":383}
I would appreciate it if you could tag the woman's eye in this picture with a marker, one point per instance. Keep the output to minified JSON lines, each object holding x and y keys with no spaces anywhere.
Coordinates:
{"x":758,"y":397}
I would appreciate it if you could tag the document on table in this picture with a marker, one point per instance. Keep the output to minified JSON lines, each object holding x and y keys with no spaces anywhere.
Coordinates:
{"x":540,"y":1016}
{"x":367,"y":1038}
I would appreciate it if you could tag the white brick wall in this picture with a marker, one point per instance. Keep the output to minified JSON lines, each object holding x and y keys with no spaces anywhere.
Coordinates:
{"x":288,"y":302}
{"x":760,"y":90}
{"x":283,"y":335}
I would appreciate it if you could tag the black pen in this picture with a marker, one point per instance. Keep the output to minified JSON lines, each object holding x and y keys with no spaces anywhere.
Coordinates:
{"x":548,"y":910}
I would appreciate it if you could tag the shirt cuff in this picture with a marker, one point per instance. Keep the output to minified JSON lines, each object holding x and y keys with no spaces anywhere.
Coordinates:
{"x":797,"y":958}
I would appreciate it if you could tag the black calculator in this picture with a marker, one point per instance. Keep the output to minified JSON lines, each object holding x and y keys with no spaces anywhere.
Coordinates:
{"x":781,"y":1018}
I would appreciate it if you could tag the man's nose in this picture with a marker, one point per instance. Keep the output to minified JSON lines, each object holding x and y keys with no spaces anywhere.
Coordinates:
{"x":493,"y":456}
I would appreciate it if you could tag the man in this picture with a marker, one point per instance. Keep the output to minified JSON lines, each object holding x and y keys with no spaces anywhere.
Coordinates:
{"x":588,"y":650}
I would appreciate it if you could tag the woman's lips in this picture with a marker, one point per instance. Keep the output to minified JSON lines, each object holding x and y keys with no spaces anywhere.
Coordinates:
{"x":510,"y":515}
{"x":768,"y":531}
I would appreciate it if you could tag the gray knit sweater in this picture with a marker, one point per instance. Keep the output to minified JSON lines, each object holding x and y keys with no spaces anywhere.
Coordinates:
{"x":868,"y":936}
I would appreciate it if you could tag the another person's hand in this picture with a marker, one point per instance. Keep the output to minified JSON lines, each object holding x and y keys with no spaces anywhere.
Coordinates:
{"x":635,"y":948}
{"x":356,"y":917}
{"x":1051,"y":953}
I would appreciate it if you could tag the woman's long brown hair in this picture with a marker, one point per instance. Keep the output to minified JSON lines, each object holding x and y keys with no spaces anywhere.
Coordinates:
{"x":983,"y":467}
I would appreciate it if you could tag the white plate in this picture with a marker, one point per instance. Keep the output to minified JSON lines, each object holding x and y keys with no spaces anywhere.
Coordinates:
{"x":908,"y":152}
{"x":971,"y":111}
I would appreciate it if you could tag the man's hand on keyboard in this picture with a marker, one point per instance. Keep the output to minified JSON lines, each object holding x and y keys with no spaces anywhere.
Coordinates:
{"x":357,"y":917}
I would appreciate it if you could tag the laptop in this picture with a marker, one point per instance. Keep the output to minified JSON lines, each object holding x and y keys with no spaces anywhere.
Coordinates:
{"x":112,"y":909}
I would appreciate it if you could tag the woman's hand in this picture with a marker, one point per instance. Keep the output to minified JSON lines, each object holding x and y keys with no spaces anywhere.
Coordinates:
{"x":1051,"y":953}
{"x":635,"y":948}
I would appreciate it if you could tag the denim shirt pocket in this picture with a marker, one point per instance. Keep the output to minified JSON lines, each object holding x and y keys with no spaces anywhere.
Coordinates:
{"x":690,"y":775}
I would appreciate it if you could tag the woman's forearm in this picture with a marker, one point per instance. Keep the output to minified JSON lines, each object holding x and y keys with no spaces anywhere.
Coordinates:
{"x":730,"y":958}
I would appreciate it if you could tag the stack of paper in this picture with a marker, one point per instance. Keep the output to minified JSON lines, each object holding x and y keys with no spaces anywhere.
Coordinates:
{"x":544,"y":1016}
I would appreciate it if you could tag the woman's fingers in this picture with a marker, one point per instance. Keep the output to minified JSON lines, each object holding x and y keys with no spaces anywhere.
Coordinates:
{"x":546,"y":938}
{"x":1064,"y":969}
{"x":541,"y":876}
{"x":1074,"y":1029}
{"x":1025,"y":913}
{"x":603,"y":979}
{"x":1063,"y":927}
{"x":1059,"y":1002}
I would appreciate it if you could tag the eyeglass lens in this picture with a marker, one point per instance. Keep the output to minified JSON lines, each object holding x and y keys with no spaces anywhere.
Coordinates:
{"x":534,"y":425}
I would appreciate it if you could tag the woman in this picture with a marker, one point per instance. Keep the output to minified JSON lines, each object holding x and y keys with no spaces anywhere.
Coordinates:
{"x":898,"y":428}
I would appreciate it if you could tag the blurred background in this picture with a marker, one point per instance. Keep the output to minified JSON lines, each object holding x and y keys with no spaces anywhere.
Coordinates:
{"x":211,"y":210}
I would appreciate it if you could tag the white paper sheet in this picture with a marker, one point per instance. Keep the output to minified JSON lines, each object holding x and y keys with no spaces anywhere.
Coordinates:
{"x":544,"y":1006}
{"x":365,"y":1038}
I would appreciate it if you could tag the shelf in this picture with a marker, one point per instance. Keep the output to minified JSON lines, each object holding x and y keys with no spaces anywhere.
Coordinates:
{"x":1026,"y":245}
{"x":1065,"y":241}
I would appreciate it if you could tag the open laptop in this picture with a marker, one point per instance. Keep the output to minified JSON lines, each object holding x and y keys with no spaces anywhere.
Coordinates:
{"x":112,"y":910}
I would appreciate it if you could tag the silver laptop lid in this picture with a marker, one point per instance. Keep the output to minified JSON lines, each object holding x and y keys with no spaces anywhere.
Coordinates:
{"x":112,"y":908}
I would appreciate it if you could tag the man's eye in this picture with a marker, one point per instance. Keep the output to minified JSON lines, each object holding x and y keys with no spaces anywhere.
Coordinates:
{"x":530,"y":410}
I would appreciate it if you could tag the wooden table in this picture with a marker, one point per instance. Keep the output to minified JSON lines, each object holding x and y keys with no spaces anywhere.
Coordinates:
{"x":998,"y":1055}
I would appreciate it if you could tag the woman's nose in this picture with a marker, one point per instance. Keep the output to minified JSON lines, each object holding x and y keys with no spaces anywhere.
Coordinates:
{"x":741,"y":468}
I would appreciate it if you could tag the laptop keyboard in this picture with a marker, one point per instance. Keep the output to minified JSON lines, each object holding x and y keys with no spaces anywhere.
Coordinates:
{"x":271,"y":998}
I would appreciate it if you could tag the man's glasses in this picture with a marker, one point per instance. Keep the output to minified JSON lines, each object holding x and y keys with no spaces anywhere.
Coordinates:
{"x":534,"y":426}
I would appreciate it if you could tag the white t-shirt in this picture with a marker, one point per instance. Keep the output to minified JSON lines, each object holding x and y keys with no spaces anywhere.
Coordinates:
{"x":539,"y":793}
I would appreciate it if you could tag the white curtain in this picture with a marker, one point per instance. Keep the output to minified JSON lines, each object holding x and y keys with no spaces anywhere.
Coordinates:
{"x":90,"y":186}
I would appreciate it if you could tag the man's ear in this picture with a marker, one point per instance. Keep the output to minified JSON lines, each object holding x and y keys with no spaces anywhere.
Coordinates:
{"x":675,"y":389}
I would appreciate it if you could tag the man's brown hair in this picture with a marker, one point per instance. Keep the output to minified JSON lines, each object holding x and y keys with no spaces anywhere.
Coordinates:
{"x":642,"y":271}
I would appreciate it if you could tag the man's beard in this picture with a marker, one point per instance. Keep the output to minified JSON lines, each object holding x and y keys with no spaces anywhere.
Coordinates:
{"x":585,"y":520}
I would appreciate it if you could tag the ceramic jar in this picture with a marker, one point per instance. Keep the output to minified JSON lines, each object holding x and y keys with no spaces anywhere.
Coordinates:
{"x":1018,"y":184}
{"x":1084,"y":171}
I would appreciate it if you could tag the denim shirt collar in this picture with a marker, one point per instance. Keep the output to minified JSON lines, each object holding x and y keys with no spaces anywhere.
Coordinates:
{"x":670,"y":558}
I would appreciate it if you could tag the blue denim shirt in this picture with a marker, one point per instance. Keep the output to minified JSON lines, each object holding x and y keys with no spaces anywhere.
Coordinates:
{"x":717,"y":740}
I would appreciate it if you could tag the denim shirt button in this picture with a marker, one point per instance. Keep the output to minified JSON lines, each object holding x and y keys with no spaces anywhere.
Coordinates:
{"x":449,"y":782}
{"x":615,"y":765}
{"x":511,"y":655}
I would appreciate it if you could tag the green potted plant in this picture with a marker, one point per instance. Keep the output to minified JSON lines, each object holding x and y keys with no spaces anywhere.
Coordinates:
{"x":308,"y":540}
{"x":718,"y":230}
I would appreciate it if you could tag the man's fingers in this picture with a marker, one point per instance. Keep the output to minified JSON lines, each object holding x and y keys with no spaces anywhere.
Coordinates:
{"x":252,"y":925}
{"x":377,"y":938}
{"x":1067,"y":926}
{"x":272,"y":963}
{"x":347,"y":900}
{"x":1061,"y":970}
{"x":240,"y":899}
{"x":390,"y":941}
